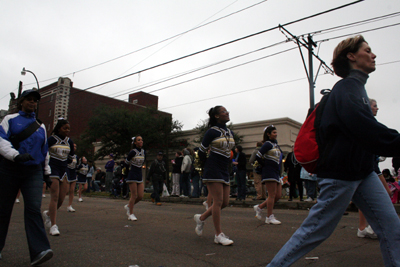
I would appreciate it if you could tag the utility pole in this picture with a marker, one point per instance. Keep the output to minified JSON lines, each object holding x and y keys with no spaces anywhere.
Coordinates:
{"x":309,"y":44}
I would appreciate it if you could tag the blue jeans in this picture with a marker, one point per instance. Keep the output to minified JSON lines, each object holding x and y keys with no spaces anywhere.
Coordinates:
{"x":28,"y":179}
{"x":196,"y":185}
{"x":241,"y":184}
{"x":370,"y":197}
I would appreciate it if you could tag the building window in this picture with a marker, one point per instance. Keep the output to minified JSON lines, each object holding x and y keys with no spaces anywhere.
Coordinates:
{"x":49,"y":112}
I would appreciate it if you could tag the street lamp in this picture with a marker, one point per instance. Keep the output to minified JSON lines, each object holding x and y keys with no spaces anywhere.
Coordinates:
{"x":23,"y":72}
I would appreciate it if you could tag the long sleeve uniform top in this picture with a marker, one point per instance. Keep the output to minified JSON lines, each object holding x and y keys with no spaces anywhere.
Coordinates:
{"x":36,"y":144}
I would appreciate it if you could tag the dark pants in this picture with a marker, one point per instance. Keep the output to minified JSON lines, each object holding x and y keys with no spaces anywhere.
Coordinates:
{"x":30,"y":180}
{"x":241,"y":184}
{"x":186,"y":183}
{"x":158,"y":188}
{"x":89,"y":182}
{"x":292,"y":189}
{"x":196,"y":185}
{"x":203,"y":188}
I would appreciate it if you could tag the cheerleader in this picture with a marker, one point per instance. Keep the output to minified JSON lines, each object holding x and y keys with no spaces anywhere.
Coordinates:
{"x":216,"y":175}
{"x":83,"y":169}
{"x":270,"y":157}
{"x":71,"y":177}
{"x":61,"y":150}
{"x":135,"y":160}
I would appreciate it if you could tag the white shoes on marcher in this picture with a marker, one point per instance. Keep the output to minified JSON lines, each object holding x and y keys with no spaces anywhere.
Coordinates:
{"x":223,"y":240}
{"x":70,"y":209}
{"x":272,"y":220}
{"x":54,"y":230}
{"x":127,"y":209}
{"x":258,"y":212}
{"x":47,"y":221}
{"x":205,"y":205}
{"x":17,"y":200}
{"x":367,"y":232}
{"x":80,"y":199}
{"x":132,"y":217}
{"x":199,"y":224}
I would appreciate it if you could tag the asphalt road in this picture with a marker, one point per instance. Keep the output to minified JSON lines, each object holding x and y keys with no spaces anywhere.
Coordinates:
{"x":99,"y":234}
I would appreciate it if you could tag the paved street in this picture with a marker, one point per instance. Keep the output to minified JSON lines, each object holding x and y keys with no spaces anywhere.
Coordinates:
{"x":99,"y":234}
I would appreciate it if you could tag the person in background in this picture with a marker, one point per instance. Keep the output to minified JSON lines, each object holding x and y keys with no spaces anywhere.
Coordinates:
{"x":135,"y":160}
{"x":240,"y":163}
{"x":346,"y":173}
{"x":158,"y":175}
{"x":260,"y":187}
{"x":24,"y":167}
{"x":365,"y":230}
{"x":109,"y":172}
{"x":220,"y":140}
{"x":176,"y":174}
{"x":82,"y":170}
{"x":293,"y":168}
{"x":270,"y":158}
{"x":98,"y":179}
{"x":310,"y":183}
{"x":89,"y":177}
{"x":71,"y":179}
{"x":185,"y":170}
{"x":61,"y":149}
{"x":195,"y":174}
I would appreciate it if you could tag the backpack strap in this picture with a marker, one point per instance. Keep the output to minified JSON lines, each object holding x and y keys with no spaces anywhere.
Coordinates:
{"x":28,"y":131}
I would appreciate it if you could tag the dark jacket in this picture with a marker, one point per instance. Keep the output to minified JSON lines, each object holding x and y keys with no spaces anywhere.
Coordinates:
{"x":157,"y":171}
{"x":292,"y":167}
{"x":176,"y":168}
{"x":352,"y":133}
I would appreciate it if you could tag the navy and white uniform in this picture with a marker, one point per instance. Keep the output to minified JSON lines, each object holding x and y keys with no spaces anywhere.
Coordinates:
{"x":219,"y":139}
{"x":82,"y":172}
{"x":61,"y":151}
{"x":270,"y":157}
{"x":135,"y":160}
{"x":71,"y":170}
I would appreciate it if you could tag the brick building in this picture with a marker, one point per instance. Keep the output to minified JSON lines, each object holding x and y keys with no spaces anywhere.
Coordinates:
{"x":61,"y":99}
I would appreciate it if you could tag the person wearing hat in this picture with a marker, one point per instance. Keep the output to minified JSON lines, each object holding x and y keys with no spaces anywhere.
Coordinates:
{"x":109,"y":172}
{"x":23,"y":167}
{"x":157,"y":173}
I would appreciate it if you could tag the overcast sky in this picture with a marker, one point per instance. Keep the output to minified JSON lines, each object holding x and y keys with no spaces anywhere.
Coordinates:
{"x":68,"y":38}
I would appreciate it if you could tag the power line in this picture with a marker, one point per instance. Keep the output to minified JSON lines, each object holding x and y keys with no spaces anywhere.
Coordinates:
{"x":224,"y":44}
{"x":159,"y":42}
{"x":220,"y":45}
{"x":197,"y":69}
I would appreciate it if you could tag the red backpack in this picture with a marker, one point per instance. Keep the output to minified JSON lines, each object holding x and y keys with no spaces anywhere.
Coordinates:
{"x":307,"y":148}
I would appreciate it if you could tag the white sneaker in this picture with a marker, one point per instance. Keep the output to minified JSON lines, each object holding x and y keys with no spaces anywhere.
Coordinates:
{"x":17,"y":200}
{"x":70,"y":209}
{"x":258,"y":212}
{"x":309,"y":199}
{"x":272,"y":220}
{"x":80,"y":199}
{"x":132,"y":217}
{"x":47,"y":221}
{"x":367,"y":232}
{"x":54,"y":230}
{"x":199,"y":226}
{"x":127,"y":209}
{"x":43,"y":195}
{"x":205,"y":205}
{"x":223,"y":240}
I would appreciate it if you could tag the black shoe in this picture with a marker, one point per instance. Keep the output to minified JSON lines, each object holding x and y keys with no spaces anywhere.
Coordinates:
{"x":42,"y":257}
